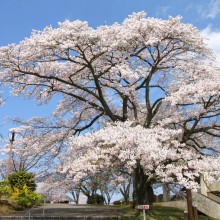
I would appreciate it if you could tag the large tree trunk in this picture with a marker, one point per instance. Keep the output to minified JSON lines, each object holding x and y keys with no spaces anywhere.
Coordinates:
{"x":166,"y":192}
{"x":95,"y":198}
{"x":143,"y":191}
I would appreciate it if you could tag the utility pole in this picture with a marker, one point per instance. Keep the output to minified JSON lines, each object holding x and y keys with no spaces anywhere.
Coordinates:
{"x":11,"y":139}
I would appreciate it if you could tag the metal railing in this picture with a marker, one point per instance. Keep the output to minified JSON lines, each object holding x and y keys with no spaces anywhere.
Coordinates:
{"x":28,"y":213}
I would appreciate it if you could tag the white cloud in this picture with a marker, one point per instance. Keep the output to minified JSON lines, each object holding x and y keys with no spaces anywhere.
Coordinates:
{"x":163,"y":10}
{"x":209,"y":11}
{"x":213,"y":40}
{"x":214,"y":9}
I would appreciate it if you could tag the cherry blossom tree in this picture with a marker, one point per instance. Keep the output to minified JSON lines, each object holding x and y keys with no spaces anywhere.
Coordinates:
{"x":75,"y":192}
{"x":125,"y":187}
{"x":156,"y":73}
{"x":122,"y":147}
{"x":28,"y":154}
{"x":106,"y":186}
{"x":54,"y":192}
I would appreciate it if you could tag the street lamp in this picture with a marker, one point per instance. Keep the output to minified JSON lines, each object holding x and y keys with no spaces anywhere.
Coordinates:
{"x":11,"y":139}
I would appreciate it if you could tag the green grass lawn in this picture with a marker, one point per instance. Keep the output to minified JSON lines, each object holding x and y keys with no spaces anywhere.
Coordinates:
{"x":158,"y":213}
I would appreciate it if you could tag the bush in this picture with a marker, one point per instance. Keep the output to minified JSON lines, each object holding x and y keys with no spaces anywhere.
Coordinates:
{"x":20,"y":189}
{"x":96,"y":199}
{"x":119,"y":202}
{"x":26,"y":198}
{"x":29,"y":199}
{"x":21,"y":178}
{"x":5,"y":189}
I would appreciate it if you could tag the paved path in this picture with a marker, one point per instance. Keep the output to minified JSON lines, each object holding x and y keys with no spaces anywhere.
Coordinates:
{"x":68,"y":211}
{"x":80,"y":210}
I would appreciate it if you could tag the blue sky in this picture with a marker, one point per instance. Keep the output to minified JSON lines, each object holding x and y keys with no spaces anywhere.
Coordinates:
{"x":19,"y":17}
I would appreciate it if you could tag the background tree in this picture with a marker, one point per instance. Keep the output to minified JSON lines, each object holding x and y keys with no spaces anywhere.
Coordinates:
{"x":153,"y":72}
{"x":75,"y":192}
{"x":3,"y":169}
{"x":125,"y":188}
{"x":167,"y":160}
{"x":107,"y":186}
{"x":28,"y":154}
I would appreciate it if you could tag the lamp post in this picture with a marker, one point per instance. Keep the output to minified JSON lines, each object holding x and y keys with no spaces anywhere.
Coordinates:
{"x":11,"y":139}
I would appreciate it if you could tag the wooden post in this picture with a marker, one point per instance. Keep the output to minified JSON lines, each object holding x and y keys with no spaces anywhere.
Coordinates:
{"x":11,"y":139}
{"x":189,"y":204}
{"x":195,"y":212}
{"x":9,"y":160}
{"x":144,"y":216}
{"x":44,"y":206}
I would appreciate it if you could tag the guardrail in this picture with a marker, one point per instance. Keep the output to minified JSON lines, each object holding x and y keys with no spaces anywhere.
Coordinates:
{"x":28,"y":213}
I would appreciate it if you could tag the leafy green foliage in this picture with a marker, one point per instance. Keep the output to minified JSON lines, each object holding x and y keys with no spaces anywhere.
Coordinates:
{"x":20,"y":189}
{"x":26,"y":198}
{"x":5,"y":189}
{"x":96,"y":199}
{"x":22,"y":178}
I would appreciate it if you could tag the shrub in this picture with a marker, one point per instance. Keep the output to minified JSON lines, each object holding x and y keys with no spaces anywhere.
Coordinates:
{"x":21,"y":178}
{"x":96,"y":199}
{"x":5,"y":189}
{"x":16,"y":190}
{"x":118,"y":202}
{"x":29,"y":199}
{"x":25,"y":197}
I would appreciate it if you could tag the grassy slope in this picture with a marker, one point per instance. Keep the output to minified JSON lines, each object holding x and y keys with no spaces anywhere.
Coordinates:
{"x":5,"y":209}
{"x":159,"y":213}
